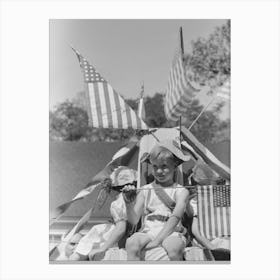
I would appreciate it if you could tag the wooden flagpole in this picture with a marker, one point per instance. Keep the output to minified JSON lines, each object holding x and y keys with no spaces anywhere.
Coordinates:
{"x":182,"y":54}
{"x":202,"y":111}
{"x":142,"y":96}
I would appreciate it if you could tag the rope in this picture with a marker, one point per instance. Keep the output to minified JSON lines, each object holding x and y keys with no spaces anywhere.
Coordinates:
{"x":178,"y":187}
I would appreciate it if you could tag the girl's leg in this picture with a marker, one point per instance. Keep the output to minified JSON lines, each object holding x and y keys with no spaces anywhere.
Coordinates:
{"x":174,"y":247}
{"x":135,"y":244}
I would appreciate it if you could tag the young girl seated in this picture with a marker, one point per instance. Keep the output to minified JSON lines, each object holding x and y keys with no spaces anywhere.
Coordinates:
{"x":162,"y":204}
{"x":104,"y":238}
{"x":202,"y":175}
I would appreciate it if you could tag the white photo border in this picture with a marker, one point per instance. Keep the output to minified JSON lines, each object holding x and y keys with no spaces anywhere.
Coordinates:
{"x":254,"y":141}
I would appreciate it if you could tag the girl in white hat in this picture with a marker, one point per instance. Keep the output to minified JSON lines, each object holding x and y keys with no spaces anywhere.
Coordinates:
{"x":103,"y":239}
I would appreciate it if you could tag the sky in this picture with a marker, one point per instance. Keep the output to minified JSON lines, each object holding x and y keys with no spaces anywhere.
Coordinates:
{"x":126,"y":53}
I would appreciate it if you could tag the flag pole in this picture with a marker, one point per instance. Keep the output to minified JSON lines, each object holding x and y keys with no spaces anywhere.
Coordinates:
{"x":202,"y":111}
{"x":182,"y":54}
{"x":140,"y":107}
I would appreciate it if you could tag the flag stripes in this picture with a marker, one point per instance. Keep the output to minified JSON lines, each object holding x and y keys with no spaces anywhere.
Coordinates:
{"x":213,"y":221}
{"x":59,"y":250}
{"x":106,"y":108}
{"x":180,"y":92}
{"x":205,"y":154}
{"x":124,"y":156}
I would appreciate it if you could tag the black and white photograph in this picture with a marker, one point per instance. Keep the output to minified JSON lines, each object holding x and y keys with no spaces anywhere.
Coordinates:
{"x":139,"y":141}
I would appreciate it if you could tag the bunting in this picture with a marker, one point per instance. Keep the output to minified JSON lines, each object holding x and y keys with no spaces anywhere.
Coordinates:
{"x":123,"y":157}
{"x":192,"y":145}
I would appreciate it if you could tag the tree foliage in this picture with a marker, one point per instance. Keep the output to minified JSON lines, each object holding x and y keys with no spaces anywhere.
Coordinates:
{"x":68,"y":122}
{"x":155,"y":116}
{"x":209,"y":59}
{"x":209,"y":64}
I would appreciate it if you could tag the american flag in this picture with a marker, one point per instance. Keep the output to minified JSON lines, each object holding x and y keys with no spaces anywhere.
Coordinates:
{"x":214,"y":211}
{"x":180,"y":91}
{"x":191,"y":144}
{"x":106,"y":108}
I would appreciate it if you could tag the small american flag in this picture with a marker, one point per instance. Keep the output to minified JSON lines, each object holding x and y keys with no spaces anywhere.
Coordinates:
{"x":106,"y":108}
{"x":214,"y":211}
{"x":180,"y":91}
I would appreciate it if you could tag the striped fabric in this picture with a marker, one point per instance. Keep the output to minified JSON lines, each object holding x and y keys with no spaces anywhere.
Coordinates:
{"x":214,"y":211}
{"x":106,"y":108}
{"x":224,"y":90}
{"x":59,"y":249}
{"x":191,"y":144}
{"x":123,"y":157}
{"x":180,"y":91}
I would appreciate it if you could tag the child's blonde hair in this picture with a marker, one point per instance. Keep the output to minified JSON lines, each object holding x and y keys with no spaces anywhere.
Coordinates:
{"x":161,"y":153}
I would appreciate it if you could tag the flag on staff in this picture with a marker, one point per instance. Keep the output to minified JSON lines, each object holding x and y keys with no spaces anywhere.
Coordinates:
{"x":224,"y":90}
{"x":106,"y":108}
{"x":180,"y":91}
{"x":214,"y":211}
{"x":197,"y":150}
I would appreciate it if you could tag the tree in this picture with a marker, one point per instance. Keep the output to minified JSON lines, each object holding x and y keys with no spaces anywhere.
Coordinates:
{"x":154,"y":106}
{"x":68,"y":121}
{"x":208,"y":64}
{"x":80,"y":100}
{"x":209,"y":59}
{"x":209,"y":127}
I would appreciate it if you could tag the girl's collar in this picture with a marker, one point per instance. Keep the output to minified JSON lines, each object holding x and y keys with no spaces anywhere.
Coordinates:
{"x":154,"y":183}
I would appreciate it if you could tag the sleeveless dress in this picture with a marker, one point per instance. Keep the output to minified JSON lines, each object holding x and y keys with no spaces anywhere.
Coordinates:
{"x":100,"y":233}
{"x":154,"y":207}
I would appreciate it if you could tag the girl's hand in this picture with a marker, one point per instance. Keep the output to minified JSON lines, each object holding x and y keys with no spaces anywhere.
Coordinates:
{"x":152,"y":244}
{"x":93,"y":252}
{"x":129,"y":193}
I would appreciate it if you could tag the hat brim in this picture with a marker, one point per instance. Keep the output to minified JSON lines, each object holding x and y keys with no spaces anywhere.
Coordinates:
{"x":173,"y":147}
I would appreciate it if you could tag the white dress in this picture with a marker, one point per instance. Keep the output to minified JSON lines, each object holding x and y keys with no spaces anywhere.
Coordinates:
{"x":100,"y":233}
{"x":154,"y":206}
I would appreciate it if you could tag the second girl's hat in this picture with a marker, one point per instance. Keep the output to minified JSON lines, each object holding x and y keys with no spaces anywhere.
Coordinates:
{"x":123,"y":175}
{"x":170,"y":145}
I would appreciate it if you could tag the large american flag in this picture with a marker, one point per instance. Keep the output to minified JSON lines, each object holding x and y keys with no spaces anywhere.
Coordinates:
{"x":180,"y":91}
{"x":214,"y":211}
{"x":106,"y":108}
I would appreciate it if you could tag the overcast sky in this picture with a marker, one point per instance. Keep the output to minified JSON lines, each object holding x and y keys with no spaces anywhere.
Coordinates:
{"x":125,"y":52}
